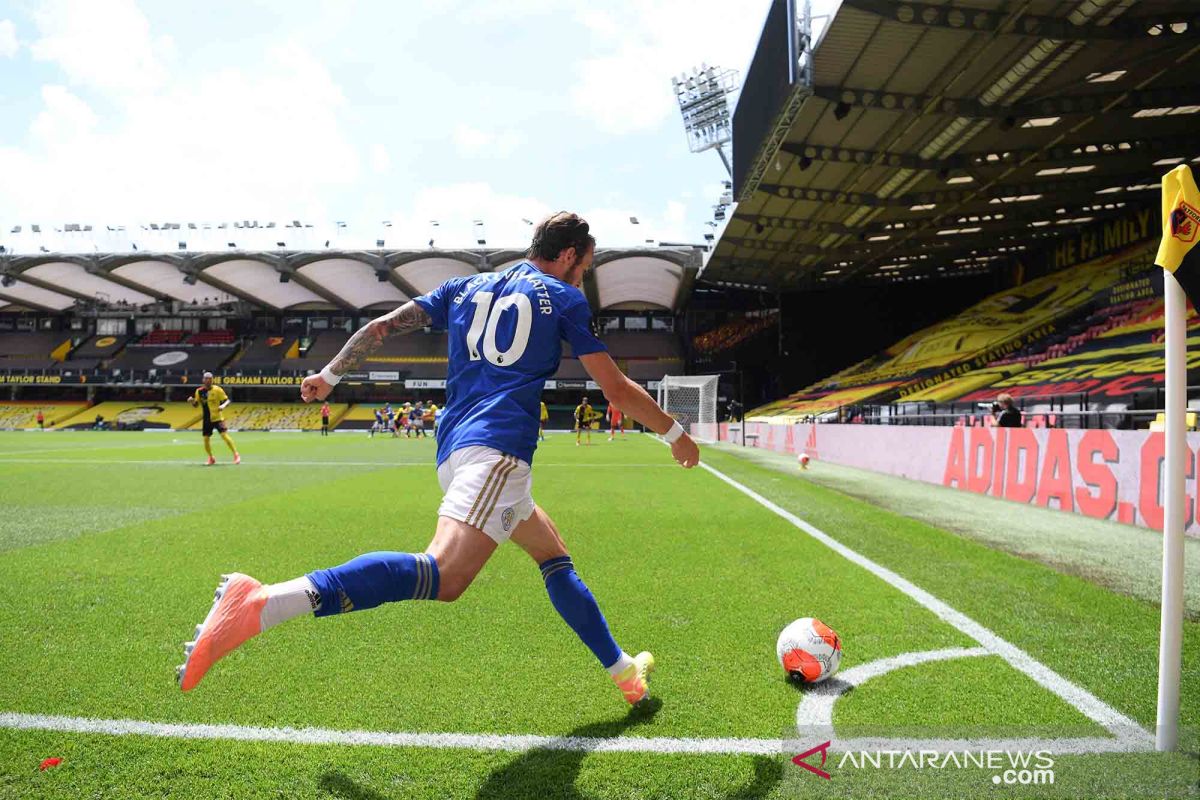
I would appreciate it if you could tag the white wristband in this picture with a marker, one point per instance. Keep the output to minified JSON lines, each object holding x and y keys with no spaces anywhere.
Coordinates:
{"x":676,"y":431}
{"x":329,"y":377}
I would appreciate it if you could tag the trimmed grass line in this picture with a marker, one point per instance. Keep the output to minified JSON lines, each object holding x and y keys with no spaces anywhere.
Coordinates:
{"x":522,"y":743}
{"x":1088,"y":704}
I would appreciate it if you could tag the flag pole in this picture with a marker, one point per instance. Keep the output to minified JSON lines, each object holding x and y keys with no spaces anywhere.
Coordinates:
{"x":1171,"y":626}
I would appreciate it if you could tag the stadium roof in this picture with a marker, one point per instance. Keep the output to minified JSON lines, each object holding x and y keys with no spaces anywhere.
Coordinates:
{"x":925,"y":140}
{"x":348,"y":280}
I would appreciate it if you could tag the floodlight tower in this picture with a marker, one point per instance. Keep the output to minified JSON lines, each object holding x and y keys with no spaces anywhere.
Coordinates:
{"x":703,"y":102}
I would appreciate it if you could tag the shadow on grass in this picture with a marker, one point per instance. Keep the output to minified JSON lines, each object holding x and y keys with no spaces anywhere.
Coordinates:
{"x":551,"y":772}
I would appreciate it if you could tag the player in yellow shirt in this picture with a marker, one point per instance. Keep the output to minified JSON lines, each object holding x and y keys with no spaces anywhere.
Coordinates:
{"x":542,"y":426}
{"x":583,"y":421}
{"x":212,"y":401}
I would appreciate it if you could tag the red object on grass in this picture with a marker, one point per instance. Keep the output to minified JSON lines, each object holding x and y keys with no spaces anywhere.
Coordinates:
{"x":50,"y":762}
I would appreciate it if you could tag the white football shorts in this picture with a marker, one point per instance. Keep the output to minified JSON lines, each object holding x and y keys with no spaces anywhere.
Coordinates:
{"x":487,"y":489}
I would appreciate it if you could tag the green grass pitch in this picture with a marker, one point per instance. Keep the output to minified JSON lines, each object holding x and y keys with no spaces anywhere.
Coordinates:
{"x":111,"y":544}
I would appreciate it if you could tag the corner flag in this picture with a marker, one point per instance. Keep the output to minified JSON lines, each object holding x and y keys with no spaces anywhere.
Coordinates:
{"x":1177,"y":253}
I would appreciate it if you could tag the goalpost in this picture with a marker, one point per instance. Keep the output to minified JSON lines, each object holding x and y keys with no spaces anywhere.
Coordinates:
{"x":692,"y":400}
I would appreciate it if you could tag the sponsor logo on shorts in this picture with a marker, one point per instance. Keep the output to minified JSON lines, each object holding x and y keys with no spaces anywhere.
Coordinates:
{"x":506,"y":519}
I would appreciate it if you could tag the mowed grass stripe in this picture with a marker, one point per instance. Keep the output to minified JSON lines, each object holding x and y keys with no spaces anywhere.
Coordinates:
{"x":705,"y":579}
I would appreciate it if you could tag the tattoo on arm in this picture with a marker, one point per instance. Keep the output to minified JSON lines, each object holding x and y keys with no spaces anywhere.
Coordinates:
{"x":367,"y":339}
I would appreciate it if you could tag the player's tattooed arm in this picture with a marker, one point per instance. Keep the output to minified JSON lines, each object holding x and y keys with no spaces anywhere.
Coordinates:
{"x":367,"y":339}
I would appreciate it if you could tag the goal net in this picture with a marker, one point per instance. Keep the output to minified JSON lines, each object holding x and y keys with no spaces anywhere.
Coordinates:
{"x":691,"y":399}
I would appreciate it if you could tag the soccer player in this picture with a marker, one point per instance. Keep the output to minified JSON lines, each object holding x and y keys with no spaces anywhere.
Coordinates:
{"x":615,"y":418}
{"x":41,"y":420}
{"x":505,"y":339}
{"x":325,"y":419}
{"x":583,"y":421}
{"x":213,"y":401}
{"x":378,"y":426}
{"x":417,"y":419}
{"x":544,"y":415}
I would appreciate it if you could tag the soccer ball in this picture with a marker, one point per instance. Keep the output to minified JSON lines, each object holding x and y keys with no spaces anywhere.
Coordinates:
{"x":802,"y":460}
{"x":809,"y":651}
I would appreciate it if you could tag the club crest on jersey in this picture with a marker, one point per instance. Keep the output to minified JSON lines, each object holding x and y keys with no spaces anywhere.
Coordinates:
{"x":506,"y":519}
{"x":1185,"y":220}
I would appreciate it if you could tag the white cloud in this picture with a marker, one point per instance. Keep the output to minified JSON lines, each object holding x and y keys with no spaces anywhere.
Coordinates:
{"x":64,"y":121}
{"x":263,"y":141}
{"x":8,"y":39}
{"x":105,"y":44}
{"x":625,"y":87}
{"x":472,"y":142}
{"x":380,"y":158}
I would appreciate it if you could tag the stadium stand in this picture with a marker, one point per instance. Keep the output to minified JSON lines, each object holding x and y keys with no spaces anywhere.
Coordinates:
{"x":1118,"y":357}
{"x":134,"y":414}
{"x":653,"y":369}
{"x":419,"y":355}
{"x":160,"y":337}
{"x":656,"y":344}
{"x":1043,"y":313}
{"x":278,"y":416}
{"x":266,"y":353}
{"x":100,"y":347}
{"x":733,"y":333}
{"x":571,"y":369}
{"x":218,"y":338}
{"x":322,"y":348}
{"x":33,"y":351}
{"x":23,"y":415}
{"x":360,"y":416}
{"x":180,"y":359}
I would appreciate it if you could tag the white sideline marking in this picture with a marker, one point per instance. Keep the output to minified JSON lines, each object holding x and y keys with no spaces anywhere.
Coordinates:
{"x":229,"y":462}
{"x":522,"y":742}
{"x":1088,"y":704}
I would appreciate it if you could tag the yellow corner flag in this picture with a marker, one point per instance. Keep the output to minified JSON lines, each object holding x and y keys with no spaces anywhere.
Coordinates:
{"x":1177,"y":253}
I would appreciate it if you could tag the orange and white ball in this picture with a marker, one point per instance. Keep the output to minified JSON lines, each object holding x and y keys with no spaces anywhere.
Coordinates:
{"x":809,"y":651}
{"x":802,"y":460}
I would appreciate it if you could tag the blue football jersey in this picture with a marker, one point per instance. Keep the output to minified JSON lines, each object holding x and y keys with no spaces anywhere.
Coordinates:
{"x":506,"y":331}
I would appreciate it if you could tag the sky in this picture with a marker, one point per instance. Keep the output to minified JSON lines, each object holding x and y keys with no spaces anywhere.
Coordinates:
{"x":126,"y":112}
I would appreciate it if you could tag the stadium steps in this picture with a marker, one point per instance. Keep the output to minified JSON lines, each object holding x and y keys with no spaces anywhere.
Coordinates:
{"x":23,"y":414}
{"x":275,"y":416}
{"x":931,"y":355}
{"x":151,"y":413}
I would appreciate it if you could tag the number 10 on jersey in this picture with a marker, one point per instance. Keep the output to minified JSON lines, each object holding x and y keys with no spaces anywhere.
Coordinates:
{"x":487,"y":318}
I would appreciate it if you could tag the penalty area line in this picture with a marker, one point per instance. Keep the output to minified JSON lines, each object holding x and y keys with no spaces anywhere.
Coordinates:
{"x":522,"y":742}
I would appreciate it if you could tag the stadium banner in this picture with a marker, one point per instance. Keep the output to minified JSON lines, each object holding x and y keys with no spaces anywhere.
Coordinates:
{"x":424,"y":383}
{"x":1102,"y":473}
{"x":1107,"y":375}
{"x":1103,"y":238}
{"x":383,"y":376}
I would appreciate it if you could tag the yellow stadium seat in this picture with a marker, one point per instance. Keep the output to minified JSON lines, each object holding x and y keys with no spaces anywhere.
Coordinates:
{"x":17,"y":415}
{"x":278,"y":416}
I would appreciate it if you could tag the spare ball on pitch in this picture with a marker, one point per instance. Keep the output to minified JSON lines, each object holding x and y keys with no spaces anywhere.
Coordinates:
{"x":802,"y":460}
{"x":809,"y":651}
